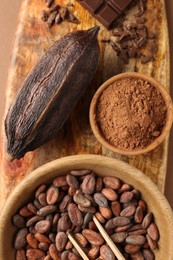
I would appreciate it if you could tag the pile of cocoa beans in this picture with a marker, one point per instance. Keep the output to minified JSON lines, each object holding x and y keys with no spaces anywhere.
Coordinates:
{"x":69,"y":203}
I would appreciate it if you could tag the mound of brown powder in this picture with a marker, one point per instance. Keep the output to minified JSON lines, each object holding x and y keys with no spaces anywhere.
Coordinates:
{"x":131,"y":114}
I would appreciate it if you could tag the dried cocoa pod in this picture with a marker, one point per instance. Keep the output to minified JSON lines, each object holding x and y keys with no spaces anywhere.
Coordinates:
{"x":51,"y":90}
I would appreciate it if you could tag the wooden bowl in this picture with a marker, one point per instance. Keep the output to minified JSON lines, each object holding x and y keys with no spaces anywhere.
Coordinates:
{"x":103,"y":166}
{"x":165,"y":130}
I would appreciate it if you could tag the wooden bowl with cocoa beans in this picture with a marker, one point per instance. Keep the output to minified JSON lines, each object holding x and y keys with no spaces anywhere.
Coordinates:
{"x":131,"y":113}
{"x":64,"y":195}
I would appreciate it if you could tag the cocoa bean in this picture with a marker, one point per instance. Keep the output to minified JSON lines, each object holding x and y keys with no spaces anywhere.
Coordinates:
{"x":119,"y":237}
{"x":32,"y":208}
{"x":75,"y":214}
{"x":92,"y":226}
{"x":143,"y":204}
{"x":99,"y":184}
{"x":42,"y":238}
{"x":125,"y":187}
{"x":93,"y":252}
{"x":35,"y":254}
{"x":60,"y":181}
{"x":116,"y":208}
{"x":40,"y":189}
{"x":148,"y":254}
{"x":88,"y":184}
{"x":152,"y":243}
{"x":112,"y":182}
{"x":46,"y":210}
{"x":153,"y":231}
{"x":138,"y":232}
{"x":71,"y":191}
{"x":64,"y":203}
{"x":117,"y":222}
{"x":20,"y":239}
{"x":72,"y":181}
{"x":73,"y":256}
{"x":123,"y":228}
{"x":52,"y":195}
{"x":60,"y":241}
{"x":135,"y":240}
{"x":42,"y":226}
{"x":137,"y":256}
{"x":101,"y":200}
{"x":69,"y":245}
{"x":64,"y":255}
{"x":64,"y":223}
{"x":32,"y":241}
{"x":126,"y":196}
{"x":110,"y":194}
{"x":25,"y":212}
{"x":42,"y":199}
{"x":81,"y":200}
{"x":90,"y":209}
{"x":88,"y":217}
{"x":100,"y":218}
{"x":128,"y":212}
{"x":55,"y":255}
{"x":93,"y":237}
{"x":106,"y":253}
{"x":18,"y":221}
{"x":43,"y":246}
{"x":20,"y":254}
{"x":33,"y":220}
{"x":147,"y":220}
{"x":80,"y":172}
{"x":81,"y":239}
{"x":106,"y":212}
{"x":138,"y":217}
{"x":131,"y":249}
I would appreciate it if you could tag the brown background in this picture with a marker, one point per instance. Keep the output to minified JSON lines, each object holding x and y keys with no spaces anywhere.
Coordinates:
{"x":8,"y":23}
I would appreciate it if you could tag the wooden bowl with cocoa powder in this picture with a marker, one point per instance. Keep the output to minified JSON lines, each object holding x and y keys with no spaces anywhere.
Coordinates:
{"x":131,"y":113}
{"x":102,"y":166}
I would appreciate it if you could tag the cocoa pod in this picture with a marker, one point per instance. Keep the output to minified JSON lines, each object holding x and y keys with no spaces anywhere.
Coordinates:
{"x":106,"y":253}
{"x":93,"y":237}
{"x":20,"y":239}
{"x":46,"y":97}
{"x":60,"y":241}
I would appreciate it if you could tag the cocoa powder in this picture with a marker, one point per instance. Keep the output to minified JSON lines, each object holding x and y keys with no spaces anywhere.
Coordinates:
{"x":131,"y":113}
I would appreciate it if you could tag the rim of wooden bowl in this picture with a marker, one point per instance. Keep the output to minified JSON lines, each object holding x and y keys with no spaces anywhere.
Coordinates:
{"x":165,"y":130}
{"x":103,"y":166}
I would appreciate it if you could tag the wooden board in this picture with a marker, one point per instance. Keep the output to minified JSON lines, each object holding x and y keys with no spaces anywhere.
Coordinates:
{"x":32,"y":39}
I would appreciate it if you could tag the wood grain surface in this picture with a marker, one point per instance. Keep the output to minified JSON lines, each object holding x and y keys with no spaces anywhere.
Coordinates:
{"x":32,"y":39}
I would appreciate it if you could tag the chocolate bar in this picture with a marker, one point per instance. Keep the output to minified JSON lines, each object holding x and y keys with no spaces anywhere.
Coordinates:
{"x":105,"y":11}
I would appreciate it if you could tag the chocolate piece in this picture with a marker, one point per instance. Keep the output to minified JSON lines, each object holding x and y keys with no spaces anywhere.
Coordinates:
{"x":105,"y":11}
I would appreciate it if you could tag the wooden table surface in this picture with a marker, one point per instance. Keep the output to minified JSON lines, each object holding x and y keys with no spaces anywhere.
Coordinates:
{"x":9,"y":16}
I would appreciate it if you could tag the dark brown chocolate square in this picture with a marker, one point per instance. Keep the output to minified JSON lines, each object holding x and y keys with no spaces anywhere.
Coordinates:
{"x":107,"y":15}
{"x":92,"y":5}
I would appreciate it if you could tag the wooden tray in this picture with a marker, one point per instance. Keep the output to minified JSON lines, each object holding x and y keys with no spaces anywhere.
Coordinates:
{"x":32,"y":39}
